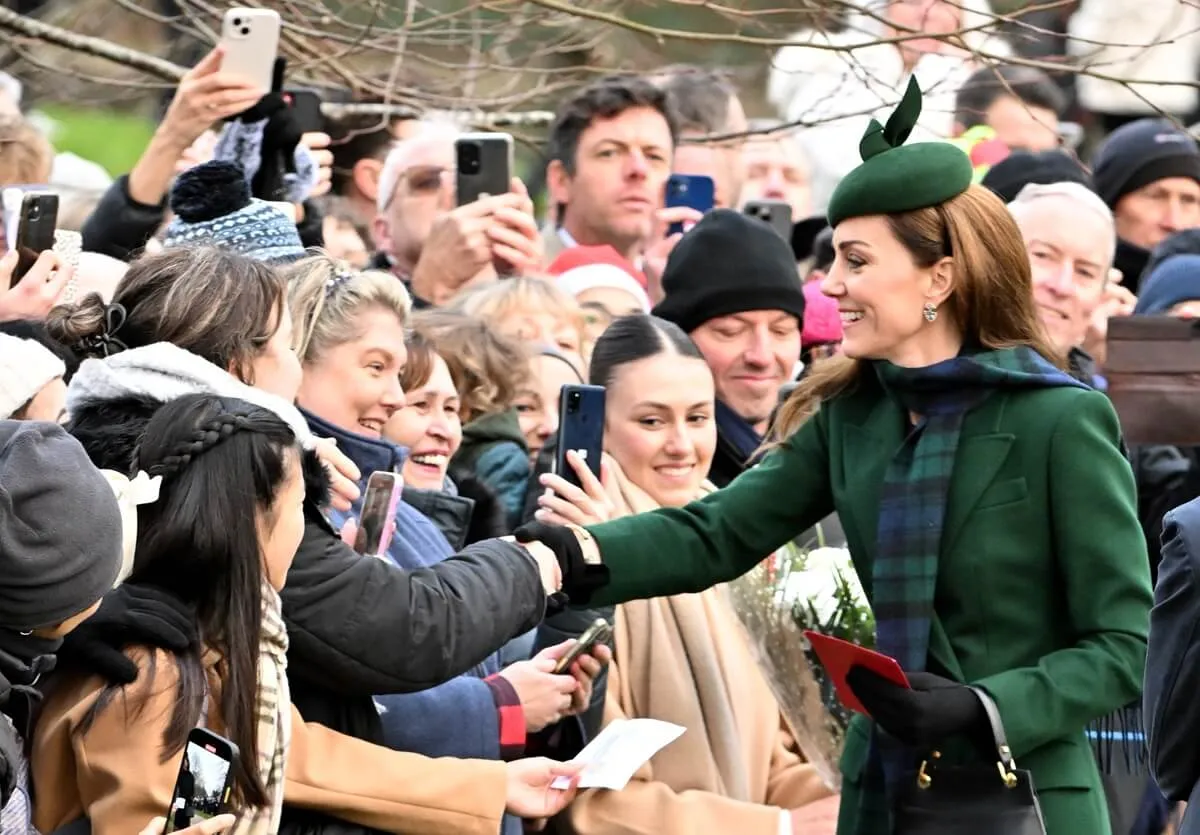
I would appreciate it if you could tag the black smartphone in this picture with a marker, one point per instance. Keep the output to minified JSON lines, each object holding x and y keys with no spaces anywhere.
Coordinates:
{"x":580,"y":428}
{"x":202,"y":787}
{"x":598,"y":633}
{"x":694,"y":191}
{"x":376,"y":523}
{"x":483,"y":165}
{"x":30,"y":220}
{"x":306,"y":110}
{"x":774,"y":213}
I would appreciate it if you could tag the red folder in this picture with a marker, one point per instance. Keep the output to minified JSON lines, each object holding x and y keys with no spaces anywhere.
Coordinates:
{"x":839,"y":656}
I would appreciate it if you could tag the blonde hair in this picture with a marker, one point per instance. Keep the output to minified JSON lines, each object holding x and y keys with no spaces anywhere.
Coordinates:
{"x":326,"y":298}
{"x":499,"y":301}
{"x":487,"y":368}
{"x":992,"y":298}
{"x":26,"y":156}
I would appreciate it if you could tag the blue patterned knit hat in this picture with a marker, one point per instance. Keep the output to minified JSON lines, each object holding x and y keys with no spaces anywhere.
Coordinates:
{"x":213,"y":207}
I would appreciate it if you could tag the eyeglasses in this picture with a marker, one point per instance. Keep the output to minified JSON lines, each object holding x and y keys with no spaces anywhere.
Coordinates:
{"x":422,"y":181}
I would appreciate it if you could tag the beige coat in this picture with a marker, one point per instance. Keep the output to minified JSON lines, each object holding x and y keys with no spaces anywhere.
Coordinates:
{"x":115,"y":774}
{"x":683,"y":659}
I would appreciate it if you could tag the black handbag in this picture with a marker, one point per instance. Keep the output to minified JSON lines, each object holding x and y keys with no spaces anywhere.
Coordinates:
{"x":992,"y":799}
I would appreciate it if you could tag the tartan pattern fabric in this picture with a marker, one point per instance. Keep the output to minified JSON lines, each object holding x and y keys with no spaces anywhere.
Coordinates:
{"x":912,"y":511}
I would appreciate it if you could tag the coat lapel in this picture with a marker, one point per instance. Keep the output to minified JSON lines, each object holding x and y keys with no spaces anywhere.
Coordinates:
{"x":977,"y":462}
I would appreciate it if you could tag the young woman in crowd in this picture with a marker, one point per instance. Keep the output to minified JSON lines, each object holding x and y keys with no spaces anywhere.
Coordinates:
{"x":983,"y":492}
{"x":531,"y":310}
{"x":429,"y":426}
{"x":350,"y":337}
{"x":215,"y":550}
{"x":680,"y":659}
{"x":162,"y":337}
{"x":488,"y":371}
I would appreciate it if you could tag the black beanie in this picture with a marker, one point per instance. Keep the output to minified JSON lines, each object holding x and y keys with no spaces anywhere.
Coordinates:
{"x":1021,"y":168}
{"x":729,"y":263}
{"x":1141,"y":152}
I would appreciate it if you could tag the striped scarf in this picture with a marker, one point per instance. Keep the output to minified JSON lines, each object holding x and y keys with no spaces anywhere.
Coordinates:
{"x":274,"y":719}
{"x":912,"y":511}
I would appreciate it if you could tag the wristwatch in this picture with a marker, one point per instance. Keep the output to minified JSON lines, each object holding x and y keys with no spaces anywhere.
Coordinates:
{"x":587,"y":544}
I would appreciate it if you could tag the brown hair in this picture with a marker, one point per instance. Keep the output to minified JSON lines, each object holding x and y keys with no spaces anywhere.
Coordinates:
{"x":221,"y":306}
{"x":26,"y":156}
{"x":991,"y":301}
{"x":419,"y":368}
{"x":488,"y":369}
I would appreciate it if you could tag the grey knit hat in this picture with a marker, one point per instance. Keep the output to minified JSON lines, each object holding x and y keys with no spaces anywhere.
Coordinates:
{"x":60,"y":527}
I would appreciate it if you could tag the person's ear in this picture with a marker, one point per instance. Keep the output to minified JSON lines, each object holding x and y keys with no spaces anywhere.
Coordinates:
{"x":941,"y":282}
{"x":381,"y":233}
{"x":366,"y":177}
{"x":558,"y":183}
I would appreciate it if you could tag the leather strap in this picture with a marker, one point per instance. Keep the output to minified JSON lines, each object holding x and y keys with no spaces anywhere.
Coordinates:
{"x":998,"y":735}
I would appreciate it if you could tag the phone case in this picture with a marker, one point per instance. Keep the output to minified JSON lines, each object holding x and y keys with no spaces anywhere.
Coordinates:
{"x":250,"y":40}
{"x":600,"y":632}
{"x":775,"y":213}
{"x":838,"y":656}
{"x":693,"y":191}
{"x":37,"y":220}
{"x":483,"y":165}
{"x":204,"y":779}
{"x":377,"y":522}
{"x":580,"y":428}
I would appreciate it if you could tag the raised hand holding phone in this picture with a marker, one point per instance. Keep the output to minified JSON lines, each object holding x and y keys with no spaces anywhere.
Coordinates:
{"x":377,"y":522}
{"x":204,"y":780}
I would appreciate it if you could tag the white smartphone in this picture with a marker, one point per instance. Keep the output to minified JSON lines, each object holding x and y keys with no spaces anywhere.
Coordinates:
{"x":250,"y":40}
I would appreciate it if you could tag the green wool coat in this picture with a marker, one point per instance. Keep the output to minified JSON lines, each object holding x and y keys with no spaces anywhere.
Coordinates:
{"x":1043,"y":592}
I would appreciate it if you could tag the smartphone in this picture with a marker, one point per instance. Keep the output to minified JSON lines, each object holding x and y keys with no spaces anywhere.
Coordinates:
{"x":483,"y":165}
{"x":30,"y":218}
{"x":250,"y":40}
{"x":580,"y":428}
{"x":774,"y":213}
{"x":377,"y":522}
{"x":598,"y":633}
{"x":202,"y":787}
{"x":306,"y":109}
{"x":694,"y":191}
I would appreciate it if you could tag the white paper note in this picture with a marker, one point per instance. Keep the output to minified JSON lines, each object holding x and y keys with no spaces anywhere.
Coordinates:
{"x":611,"y":759}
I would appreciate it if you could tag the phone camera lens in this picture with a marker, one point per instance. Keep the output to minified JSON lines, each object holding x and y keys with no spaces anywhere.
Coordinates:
{"x":35,"y":212}
{"x":470,"y":158}
{"x":682,"y":188}
{"x":245,"y":30}
{"x":237,"y":22}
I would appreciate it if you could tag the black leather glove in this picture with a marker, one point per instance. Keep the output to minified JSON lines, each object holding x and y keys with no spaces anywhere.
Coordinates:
{"x":579,"y":579}
{"x":934,"y":709}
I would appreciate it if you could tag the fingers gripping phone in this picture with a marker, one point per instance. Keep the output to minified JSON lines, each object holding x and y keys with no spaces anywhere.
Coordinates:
{"x":774,"y":213}
{"x":249,"y":42}
{"x":580,"y":428}
{"x":598,"y":633}
{"x":30,"y":219}
{"x":483,"y":165}
{"x":203,"y":784}
{"x":377,"y":522}
{"x":693,"y":191}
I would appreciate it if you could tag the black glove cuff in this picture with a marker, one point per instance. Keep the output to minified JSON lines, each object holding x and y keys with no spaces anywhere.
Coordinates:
{"x":580,"y":579}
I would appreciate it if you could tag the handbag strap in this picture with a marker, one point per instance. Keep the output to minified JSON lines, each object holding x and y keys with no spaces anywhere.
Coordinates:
{"x":1006,"y":763}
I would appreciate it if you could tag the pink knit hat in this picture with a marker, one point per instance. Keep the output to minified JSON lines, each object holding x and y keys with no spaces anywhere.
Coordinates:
{"x":822,"y":322}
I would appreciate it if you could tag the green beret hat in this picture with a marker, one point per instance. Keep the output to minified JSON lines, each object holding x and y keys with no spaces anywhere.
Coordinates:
{"x":895,"y":177}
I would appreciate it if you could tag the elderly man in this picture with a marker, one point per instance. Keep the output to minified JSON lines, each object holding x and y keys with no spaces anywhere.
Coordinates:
{"x":776,"y":169}
{"x":435,"y":247}
{"x":1071,"y":239}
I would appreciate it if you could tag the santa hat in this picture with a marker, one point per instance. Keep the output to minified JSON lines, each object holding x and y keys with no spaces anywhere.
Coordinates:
{"x":583,"y":268}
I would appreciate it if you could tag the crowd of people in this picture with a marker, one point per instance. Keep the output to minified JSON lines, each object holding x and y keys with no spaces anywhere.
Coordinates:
{"x":198,"y":380}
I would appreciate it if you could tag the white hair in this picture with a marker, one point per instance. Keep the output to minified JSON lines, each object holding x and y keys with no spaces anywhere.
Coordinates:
{"x":1077,"y":193}
{"x":438,"y":126}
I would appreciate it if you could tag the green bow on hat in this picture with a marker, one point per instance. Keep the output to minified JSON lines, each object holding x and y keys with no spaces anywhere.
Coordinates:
{"x":895,"y":177}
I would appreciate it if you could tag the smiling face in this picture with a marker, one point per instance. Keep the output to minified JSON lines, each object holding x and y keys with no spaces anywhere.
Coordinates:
{"x":751,"y":354}
{"x":430,"y":426}
{"x":1070,"y":251}
{"x":659,"y":425}
{"x":356,"y":385}
{"x":882,"y":292}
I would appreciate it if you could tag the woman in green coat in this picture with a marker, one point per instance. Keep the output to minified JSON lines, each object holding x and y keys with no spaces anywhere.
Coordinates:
{"x":985,"y":498}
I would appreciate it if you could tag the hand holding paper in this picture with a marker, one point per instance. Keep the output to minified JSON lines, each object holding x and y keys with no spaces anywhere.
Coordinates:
{"x":615,"y":755}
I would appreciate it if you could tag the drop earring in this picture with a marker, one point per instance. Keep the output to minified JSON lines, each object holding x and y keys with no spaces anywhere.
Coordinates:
{"x":930,"y":311}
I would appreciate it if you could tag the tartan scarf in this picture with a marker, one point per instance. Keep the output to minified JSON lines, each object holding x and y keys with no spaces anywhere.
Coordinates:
{"x":274,"y":719}
{"x":912,"y":512}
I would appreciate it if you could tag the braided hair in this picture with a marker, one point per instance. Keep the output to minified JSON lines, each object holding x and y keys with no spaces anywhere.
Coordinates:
{"x":223,"y":463}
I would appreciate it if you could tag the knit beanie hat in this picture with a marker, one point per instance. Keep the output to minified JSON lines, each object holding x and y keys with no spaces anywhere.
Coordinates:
{"x":582,"y":268}
{"x":1175,"y":280}
{"x":1020,"y":168}
{"x":1141,"y":152}
{"x":822,"y":321}
{"x":60,"y":527}
{"x":728,"y":263}
{"x":895,"y":178}
{"x":25,"y":369}
{"x":213,"y":207}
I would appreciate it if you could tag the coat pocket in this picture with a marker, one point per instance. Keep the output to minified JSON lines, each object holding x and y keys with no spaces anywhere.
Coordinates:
{"x":1001,"y":493}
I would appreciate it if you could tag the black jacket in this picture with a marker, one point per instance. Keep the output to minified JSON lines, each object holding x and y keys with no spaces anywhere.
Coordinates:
{"x":359,"y":626}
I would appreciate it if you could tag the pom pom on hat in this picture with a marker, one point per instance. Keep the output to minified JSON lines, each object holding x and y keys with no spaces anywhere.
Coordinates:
{"x":209,"y":191}
{"x":895,"y":178}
